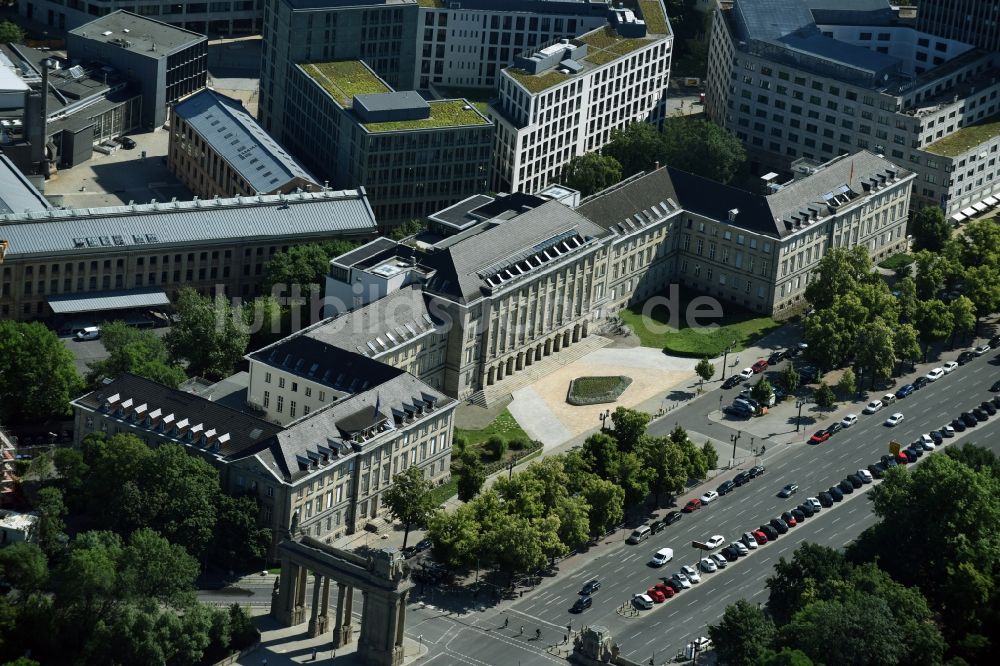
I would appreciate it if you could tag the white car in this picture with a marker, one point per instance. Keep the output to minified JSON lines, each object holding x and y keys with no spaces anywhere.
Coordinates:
{"x":642,"y":601}
{"x":927,"y":442}
{"x":708,"y":565}
{"x":849,"y":420}
{"x":865,"y":475}
{"x":948,"y":431}
{"x":749,"y":541}
{"x":720,"y":561}
{"x":682,"y":580}
{"x":949,"y":367}
{"x":691,"y":573}
{"x":935,"y":374}
{"x":661,"y":557}
{"x":814,"y":503}
{"x":740,"y":547}
{"x":894,"y":420}
{"x":709,"y":496}
{"x":980,"y":350}
{"x":873,"y":407}
{"x":746,"y":373}
{"x":715,"y":541}
{"x":89,"y":333}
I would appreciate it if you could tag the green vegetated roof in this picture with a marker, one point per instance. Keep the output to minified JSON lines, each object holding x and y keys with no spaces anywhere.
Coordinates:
{"x":605,"y":45}
{"x":537,"y":82}
{"x":966,"y":138}
{"x":444,"y":113}
{"x":345,"y":78}
{"x":652,"y":14}
{"x":431,"y":3}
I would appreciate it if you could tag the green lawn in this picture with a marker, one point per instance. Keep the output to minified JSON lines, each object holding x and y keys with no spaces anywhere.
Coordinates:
{"x":736,"y":324}
{"x":445,"y":491}
{"x":896,"y":261}
{"x":503,"y":425}
{"x":588,"y":387}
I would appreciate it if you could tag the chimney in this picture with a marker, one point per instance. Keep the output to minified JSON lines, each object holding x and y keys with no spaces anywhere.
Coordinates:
{"x":733,"y":212}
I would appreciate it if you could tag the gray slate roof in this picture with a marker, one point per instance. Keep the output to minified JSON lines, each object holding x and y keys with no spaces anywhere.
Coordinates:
{"x":229,"y":129}
{"x":17,"y":194}
{"x":146,"y":36}
{"x":102,"y":301}
{"x":380,"y":326}
{"x":462,"y":266}
{"x":183,"y":222}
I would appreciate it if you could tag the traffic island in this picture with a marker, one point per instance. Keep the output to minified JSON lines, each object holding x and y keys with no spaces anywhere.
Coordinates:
{"x":596,"y":390}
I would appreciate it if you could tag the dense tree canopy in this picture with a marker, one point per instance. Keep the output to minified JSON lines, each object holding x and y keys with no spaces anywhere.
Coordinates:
{"x":136,"y":351}
{"x":37,"y":374}
{"x":209,"y":335}
{"x":930,"y":229}
{"x":303,"y":266}
{"x":591,"y":172}
{"x":409,"y":499}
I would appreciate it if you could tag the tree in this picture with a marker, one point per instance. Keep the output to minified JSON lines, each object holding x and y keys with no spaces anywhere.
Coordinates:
{"x":37,"y":375}
{"x":711,"y":455}
{"x":975,"y":458}
{"x":150,"y":567}
{"x":847,"y":385}
{"x":762,"y":391}
{"x":302,"y":266}
{"x":24,"y":567}
{"x":907,"y":344}
{"x":455,"y":536}
{"x":471,"y":476}
{"x":786,"y":657}
{"x":497,"y":446}
{"x":607,"y":505}
{"x":980,"y":244}
{"x":404,"y":230}
{"x":982,"y":286}
{"x":666,"y":463}
{"x":695,"y":461}
{"x":933,"y":272}
{"x":601,"y":450}
{"x":702,"y":148}
{"x":743,"y":634}
{"x":705,"y":369}
{"x":633,"y":477}
{"x":141,"y":353}
{"x":591,"y":172}
{"x":636,"y":148}
{"x":208,"y":334}
{"x":630,"y":425}
{"x":51,"y":526}
{"x":963,"y":316}
{"x":831,"y":336}
{"x":239,"y":541}
{"x":11,"y":33}
{"x":932,"y":322}
{"x":409,"y":499}
{"x":788,"y":379}
{"x":839,"y":272}
{"x":265,"y":320}
{"x":876,"y":351}
{"x":930,"y":229}
{"x":823,"y":395}
{"x":810,"y":573}
{"x":906,"y":294}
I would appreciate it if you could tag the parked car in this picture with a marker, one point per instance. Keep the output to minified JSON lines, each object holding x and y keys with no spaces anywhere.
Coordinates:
{"x":855,"y":480}
{"x":738,"y":411}
{"x":958,"y":425}
{"x":708,"y":565}
{"x":988,"y":407}
{"x":740,"y":547}
{"x":825,"y":500}
{"x":749,"y":541}
{"x":746,"y":373}
{"x":814,"y":503}
{"x":642,"y":601}
{"x":936,"y":436}
{"x":691,"y":574}
{"x":905,"y":390}
{"x":759,"y":366}
{"x":996,"y":401}
{"x":835,"y":427}
{"x":756,"y":470}
{"x":656,"y":526}
{"x":127,"y":143}
{"x":808,"y":374}
{"x":789,"y":519}
{"x":949,"y":367}
{"x":866,"y":476}
{"x":980,"y":350}
{"x":776,"y":357}
{"x":965,"y":357}
{"x":715,"y":541}
{"x":921,"y":382}
{"x":780,"y":525}
{"x":709,"y":496}
{"x":769,"y":532}
{"x":836,"y":494}
{"x":894,"y":420}
{"x":911,"y":454}
{"x":692,"y":505}
{"x":89,"y":333}
{"x":968,"y":419}
{"x":759,"y":536}
{"x":888,"y":399}
{"x":947,"y":431}
{"x":819,"y":437}
{"x":980,"y":414}
{"x":741,"y":478}
{"x":873,"y":407}
{"x":672,"y":517}
{"x":730,"y":553}
{"x":849,"y":420}
{"x":656,"y":595}
{"x":591,"y":586}
{"x":888,"y":461}
{"x":798,"y":515}
{"x":995,"y":387}
{"x":720,"y":560}
{"x":666,"y":590}
{"x":877,"y":470}
{"x":995,"y":341}
{"x":935,"y":374}
{"x":582,"y":604}
{"x":731,"y":381}
{"x":846,"y":487}
{"x":806,"y":510}
{"x":789,"y":490}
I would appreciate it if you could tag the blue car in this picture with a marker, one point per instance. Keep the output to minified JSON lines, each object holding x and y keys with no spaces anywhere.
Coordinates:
{"x":905,"y":390}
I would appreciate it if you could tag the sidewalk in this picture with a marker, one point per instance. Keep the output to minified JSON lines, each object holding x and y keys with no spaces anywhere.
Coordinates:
{"x":284,"y":646}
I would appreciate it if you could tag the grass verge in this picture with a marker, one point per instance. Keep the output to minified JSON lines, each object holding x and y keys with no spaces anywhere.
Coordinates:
{"x":504,"y":425}
{"x":896,"y":261}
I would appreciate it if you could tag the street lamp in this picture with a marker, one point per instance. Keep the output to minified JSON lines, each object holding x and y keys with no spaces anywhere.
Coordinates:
{"x":725,"y":357}
{"x":510,"y":468}
{"x":604,"y":416}
{"x":735,"y":438}
{"x":798,"y":420}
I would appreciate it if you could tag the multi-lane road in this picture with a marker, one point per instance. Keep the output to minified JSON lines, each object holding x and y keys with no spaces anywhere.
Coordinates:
{"x":481,"y":638}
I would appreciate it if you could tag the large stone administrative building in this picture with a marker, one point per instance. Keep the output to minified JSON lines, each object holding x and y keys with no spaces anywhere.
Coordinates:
{"x":821,"y":78}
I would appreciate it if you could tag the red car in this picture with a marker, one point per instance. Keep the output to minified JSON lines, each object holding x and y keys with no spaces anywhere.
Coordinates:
{"x":820,"y":437}
{"x":759,"y":366}
{"x":789,"y":519}
{"x":760,"y":537}
{"x":656,"y":595}
{"x":664,"y":589}
{"x":693,"y":505}
{"x":901,"y":458}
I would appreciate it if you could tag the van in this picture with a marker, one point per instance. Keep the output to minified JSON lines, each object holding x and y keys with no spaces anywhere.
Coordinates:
{"x":639,"y":534}
{"x":661,"y":557}
{"x":889,"y":398}
{"x":89,"y":333}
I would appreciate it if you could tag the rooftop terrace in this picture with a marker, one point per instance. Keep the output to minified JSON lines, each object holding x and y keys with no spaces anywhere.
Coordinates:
{"x":966,"y":138}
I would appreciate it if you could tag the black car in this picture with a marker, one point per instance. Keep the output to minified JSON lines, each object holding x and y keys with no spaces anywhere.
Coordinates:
{"x":965,"y":357}
{"x":741,"y":478}
{"x":127,"y":143}
{"x":836,"y":493}
{"x":738,"y":411}
{"x":980,"y":415}
{"x":825,"y":499}
{"x":917,"y":448}
{"x":911,"y":455}
{"x":789,"y":518}
{"x":877,"y":470}
{"x":731,"y":381}
{"x":958,"y":425}
{"x":778,"y":356}
{"x":835,"y":427}
{"x":846,"y":487}
{"x":855,"y":480}
{"x":988,"y":406}
{"x":780,"y":525}
{"x":806,"y":509}
{"x":936,"y":436}
{"x":730,"y":553}
{"x":994,"y":341}
{"x":995,"y":387}
{"x":921,"y":382}
{"x":672,"y":517}
{"x":423,"y":544}
{"x":756,"y":471}
{"x":769,"y":532}
{"x":656,"y":526}
{"x":890,"y":462}
{"x":798,"y":514}
{"x":968,"y":419}
{"x":996,"y":401}
{"x":672,"y":584}
{"x":590,"y":587}
{"x":582,"y":604}
{"x":725,"y":487}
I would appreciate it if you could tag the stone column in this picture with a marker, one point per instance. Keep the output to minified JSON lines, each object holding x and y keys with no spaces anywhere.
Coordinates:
{"x":314,"y":629}
{"x":324,"y":617}
{"x":342,"y":628}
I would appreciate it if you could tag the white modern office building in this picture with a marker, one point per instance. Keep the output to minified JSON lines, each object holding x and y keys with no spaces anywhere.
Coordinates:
{"x":565,"y":99}
{"x":822,"y":78}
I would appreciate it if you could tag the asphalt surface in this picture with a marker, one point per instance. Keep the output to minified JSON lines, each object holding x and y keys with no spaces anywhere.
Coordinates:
{"x":482,"y":636}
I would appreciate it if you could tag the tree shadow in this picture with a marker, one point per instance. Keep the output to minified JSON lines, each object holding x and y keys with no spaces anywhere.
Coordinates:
{"x":679,"y":395}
